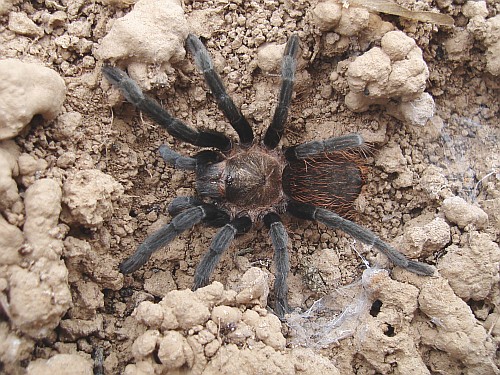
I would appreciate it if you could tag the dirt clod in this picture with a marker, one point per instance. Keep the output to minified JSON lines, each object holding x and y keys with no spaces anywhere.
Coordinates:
{"x":27,"y":89}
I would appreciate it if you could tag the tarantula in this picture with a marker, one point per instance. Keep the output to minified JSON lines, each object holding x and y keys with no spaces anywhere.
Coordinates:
{"x":239,"y":183}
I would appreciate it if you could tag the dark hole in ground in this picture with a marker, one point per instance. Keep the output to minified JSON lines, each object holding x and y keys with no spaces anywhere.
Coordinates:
{"x":389,"y":331}
{"x":375,"y":309}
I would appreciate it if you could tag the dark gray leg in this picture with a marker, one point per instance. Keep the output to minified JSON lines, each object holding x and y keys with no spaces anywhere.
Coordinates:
{"x":219,"y":244}
{"x":277,"y":127}
{"x":162,"y":237}
{"x":313,"y":148}
{"x":177,"y":160}
{"x":364,"y":235}
{"x":224,"y":101}
{"x":184,"y":162}
{"x":214,"y":218}
{"x":175,"y":127}
{"x":180,"y":204}
{"x":279,"y":238}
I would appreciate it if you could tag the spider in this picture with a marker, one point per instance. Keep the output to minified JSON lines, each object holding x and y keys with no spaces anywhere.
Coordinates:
{"x":240,"y":183}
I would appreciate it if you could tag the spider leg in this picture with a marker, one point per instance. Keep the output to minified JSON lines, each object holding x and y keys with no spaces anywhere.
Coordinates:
{"x":313,"y":148}
{"x":175,"y":127}
{"x":216,"y":219}
{"x":233,"y":114}
{"x":275,"y":130}
{"x":219,"y":244}
{"x":180,"y":204}
{"x":279,"y":238}
{"x":177,"y":160}
{"x":183,"y":221}
{"x":332,"y":220}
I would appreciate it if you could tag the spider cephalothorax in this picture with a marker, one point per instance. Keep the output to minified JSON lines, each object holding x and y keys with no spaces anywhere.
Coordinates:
{"x":238,"y":184}
{"x":250,"y":179}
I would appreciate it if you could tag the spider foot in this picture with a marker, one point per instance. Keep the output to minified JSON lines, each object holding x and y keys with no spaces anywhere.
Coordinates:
{"x":133,"y":263}
{"x":282,"y":308}
{"x":420,"y":268}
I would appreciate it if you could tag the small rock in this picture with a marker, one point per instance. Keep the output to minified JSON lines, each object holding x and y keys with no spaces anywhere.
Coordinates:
{"x":326,"y":15}
{"x":81,"y":258}
{"x":67,"y":159}
{"x":87,"y":299}
{"x":475,"y":8}
{"x":43,"y":206}
{"x":150,"y":314}
{"x":391,"y":159}
{"x":174,"y":350}
{"x":267,"y":328}
{"x":418,"y":110}
{"x":352,"y":21}
{"x":225,"y":315}
{"x":152,"y":33}
{"x":396,"y":70}
{"x":493,"y":43}
{"x":270,"y":56}
{"x":88,"y":196}
{"x":472,"y":270}
{"x":397,"y":45}
{"x":66,"y":125}
{"x":21,"y":24}
{"x":211,"y":348}
{"x":211,"y":294}
{"x":423,"y":237}
{"x":145,"y":344}
{"x":186,"y":307}
{"x":458,"y":211}
{"x":458,"y":44}
{"x":254,"y":287}
{"x":61,"y":364}
{"x":26,"y":90}
{"x":73,"y":329}
{"x":28,"y":165}
{"x":160,"y":283}
{"x":37,"y":303}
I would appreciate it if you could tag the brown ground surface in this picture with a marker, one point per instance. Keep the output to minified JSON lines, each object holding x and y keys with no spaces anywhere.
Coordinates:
{"x":445,"y":324}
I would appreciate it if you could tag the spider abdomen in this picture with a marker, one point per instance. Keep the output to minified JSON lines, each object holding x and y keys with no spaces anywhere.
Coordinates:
{"x":332,"y":180}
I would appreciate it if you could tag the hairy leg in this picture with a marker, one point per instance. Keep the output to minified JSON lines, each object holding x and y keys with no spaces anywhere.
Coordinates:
{"x":277,"y":127}
{"x":177,"y":160}
{"x":175,"y":127}
{"x":279,"y":238}
{"x":224,"y":101}
{"x":332,"y":220}
{"x":163,"y":236}
{"x":309,"y":149}
{"x":219,"y":244}
{"x":217,"y":218}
